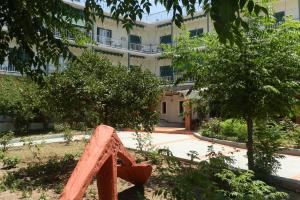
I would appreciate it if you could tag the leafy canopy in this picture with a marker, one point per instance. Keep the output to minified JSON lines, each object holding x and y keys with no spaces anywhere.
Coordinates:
{"x":31,"y":24}
{"x":92,"y":90}
{"x":20,"y":100}
{"x":258,"y":79}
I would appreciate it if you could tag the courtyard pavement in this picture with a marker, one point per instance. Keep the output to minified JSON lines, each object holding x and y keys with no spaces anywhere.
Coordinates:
{"x":182,"y":144}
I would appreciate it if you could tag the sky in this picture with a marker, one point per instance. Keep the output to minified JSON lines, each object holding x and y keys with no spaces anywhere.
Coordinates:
{"x":157,"y":12}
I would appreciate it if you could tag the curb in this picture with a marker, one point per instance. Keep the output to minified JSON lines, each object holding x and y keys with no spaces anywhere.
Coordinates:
{"x":286,"y":151}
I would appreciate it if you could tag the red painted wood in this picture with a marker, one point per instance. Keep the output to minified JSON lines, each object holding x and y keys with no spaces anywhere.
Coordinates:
{"x":100,"y":160}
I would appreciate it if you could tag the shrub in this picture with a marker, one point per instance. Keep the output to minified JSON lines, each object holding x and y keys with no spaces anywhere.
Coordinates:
{"x":266,"y":146}
{"x":212,"y":179}
{"x":10,"y":162}
{"x":68,"y":136}
{"x":234,"y":128}
{"x":230,"y":129}
{"x":5,"y":139}
{"x":92,"y":91}
{"x":21,"y":100}
{"x":211,"y":128}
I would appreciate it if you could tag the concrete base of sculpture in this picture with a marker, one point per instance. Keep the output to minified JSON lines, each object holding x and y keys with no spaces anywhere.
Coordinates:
{"x":105,"y":158}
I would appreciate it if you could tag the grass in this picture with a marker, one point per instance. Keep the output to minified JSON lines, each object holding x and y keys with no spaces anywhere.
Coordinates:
{"x":43,"y":176}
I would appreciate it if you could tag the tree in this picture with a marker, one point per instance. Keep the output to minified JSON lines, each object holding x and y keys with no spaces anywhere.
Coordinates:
{"x":93,"y":91}
{"x":32,"y":24}
{"x":254,"y":81}
{"x":21,"y":101}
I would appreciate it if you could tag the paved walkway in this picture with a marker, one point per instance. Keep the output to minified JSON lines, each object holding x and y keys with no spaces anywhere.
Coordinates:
{"x":181,"y":144}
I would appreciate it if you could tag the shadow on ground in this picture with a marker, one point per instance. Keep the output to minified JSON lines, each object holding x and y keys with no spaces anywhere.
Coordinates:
{"x":136,"y":192}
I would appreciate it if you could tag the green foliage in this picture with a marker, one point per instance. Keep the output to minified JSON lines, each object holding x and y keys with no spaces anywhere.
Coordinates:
{"x":41,"y":175}
{"x":266,"y":147}
{"x":256,"y":80}
{"x":93,"y":91}
{"x":5,"y":139}
{"x":34,"y":148}
{"x":243,"y":186}
{"x":212,"y":179}
{"x":10,"y":162}
{"x":33,"y":28}
{"x":21,"y":101}
{"x":68,"y":136}
{"x":230,"y":129}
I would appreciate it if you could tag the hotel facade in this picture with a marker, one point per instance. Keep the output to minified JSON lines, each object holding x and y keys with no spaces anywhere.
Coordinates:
{"x":141,"y":47}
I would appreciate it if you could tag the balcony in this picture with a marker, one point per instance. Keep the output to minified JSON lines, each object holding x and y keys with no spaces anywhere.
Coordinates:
{"x":4,"y":68}
{"x":174,"y":78}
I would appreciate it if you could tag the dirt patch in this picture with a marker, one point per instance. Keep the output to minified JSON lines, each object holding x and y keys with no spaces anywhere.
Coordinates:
{"x":43,"y":171}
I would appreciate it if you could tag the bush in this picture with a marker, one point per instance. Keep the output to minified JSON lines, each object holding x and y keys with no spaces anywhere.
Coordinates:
{"x":230,"y":129}
{"x":68,"y":136}
{"x":92,"y":91}
{"x":235,"y":129}
{"x":21,"y":100}
{"x":212,"y":179}
{"x":5,"y":139}
{"x":10,"y":162}
{"x":266,"y":146}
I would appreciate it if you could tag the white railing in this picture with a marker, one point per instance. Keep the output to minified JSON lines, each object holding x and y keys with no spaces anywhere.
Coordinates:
{"x":149,"y":49}
{"x":7,"y":68}
{"x":101,"y":40}
{"x":174,"y":78}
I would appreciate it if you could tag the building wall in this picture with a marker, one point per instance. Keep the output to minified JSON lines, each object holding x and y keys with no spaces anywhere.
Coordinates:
{"x":150,"y":34}
{"x":172,"y":114}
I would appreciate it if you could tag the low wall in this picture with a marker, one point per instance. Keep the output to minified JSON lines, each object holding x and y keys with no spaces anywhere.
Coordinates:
{"x":287,"y":151}
{"x":34,"y":126}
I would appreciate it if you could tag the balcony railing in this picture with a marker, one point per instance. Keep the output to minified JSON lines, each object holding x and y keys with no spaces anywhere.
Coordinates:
{"x":7,"y":68}
{"x":174,"y":78}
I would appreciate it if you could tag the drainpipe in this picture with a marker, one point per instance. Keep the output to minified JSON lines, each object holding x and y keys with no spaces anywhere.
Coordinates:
{"x":172,"y":32}
{"x":207,"y":17}
{"x":298,"y":9}
{"x":128,"y":61}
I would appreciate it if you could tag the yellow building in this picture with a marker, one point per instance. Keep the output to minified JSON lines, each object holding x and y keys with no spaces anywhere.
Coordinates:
{"x":141,"y":47}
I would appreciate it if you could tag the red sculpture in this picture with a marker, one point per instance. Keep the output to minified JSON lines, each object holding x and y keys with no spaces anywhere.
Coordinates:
{"x":100,"y":159}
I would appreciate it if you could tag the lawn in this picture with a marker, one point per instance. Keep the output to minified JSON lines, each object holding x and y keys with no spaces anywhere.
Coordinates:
{"x":44,"y":169}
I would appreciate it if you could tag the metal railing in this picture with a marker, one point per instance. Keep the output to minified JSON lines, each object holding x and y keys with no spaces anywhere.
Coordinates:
{"x":174,"y":78}
{"x":107,"y":41}
{"x":7,"y":68}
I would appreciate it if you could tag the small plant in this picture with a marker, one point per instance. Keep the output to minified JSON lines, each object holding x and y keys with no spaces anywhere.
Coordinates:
{"x":58,"y":188}
{"x":143,"y":143}
{"x":193,"y":155}
{"x":68,"y":136}
{"x":10,"y":162}
{"x":5,"y":139}
{"x":43,"y":196}
{"x":26,"y":194}
{"x":34,"y":148}
{"x":92,"y":194}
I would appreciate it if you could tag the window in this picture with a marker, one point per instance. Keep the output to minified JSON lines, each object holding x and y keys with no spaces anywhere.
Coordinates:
{"x":135,"y":39}
{"x":166,"y":39}
{"x":196,"y":32}
{"x":279,"y":16}
{"x":164,"y":107}
{"x":135,"y":42}
{"x":181,"y":109}
{"x":131,"y":67}
{"x":166,"y":72}
{"x":104,"y":35}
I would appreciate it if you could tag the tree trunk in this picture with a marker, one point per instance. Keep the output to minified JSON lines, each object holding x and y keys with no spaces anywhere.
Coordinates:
{"x":250,"y":150}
